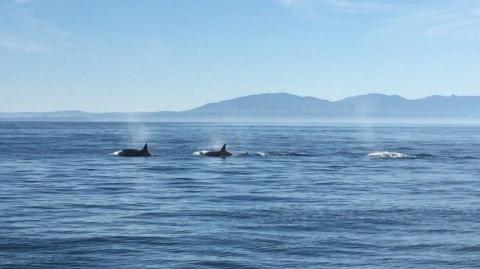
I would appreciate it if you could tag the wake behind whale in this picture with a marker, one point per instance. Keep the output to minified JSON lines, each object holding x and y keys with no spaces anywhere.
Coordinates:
{"x":390,"y":155}
{"x":224,"y":153}
{"x":275,"y":154}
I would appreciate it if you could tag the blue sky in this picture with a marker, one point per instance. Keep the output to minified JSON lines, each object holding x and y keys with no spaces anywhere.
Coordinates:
{"x":130,"y":55}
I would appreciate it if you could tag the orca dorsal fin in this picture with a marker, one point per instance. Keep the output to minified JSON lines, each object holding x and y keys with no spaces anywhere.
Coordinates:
{"x":224,"y":148}
{"x":145,"y":148}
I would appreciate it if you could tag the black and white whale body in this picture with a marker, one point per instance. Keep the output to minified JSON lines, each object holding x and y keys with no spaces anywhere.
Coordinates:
{"x":223,"y":153}
{"x":133,"y":152}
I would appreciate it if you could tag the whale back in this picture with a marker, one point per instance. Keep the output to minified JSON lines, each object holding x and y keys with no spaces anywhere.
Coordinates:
{"x":134,"y":152}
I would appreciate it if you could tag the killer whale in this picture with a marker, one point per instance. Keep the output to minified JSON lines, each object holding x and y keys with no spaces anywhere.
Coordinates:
{"x":223,"y":153}
{"x":133,"y":152}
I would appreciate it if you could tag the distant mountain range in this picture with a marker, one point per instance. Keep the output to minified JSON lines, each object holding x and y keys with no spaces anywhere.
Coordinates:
{"x":284,"y":105}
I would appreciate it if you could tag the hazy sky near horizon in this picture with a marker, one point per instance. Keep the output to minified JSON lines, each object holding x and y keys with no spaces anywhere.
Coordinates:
{"x":151,"y":55}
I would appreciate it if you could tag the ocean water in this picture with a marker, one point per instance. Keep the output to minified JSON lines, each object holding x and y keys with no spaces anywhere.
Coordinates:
{"x":292,"y":196}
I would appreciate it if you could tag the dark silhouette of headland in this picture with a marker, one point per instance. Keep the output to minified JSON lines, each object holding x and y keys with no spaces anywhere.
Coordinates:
{"x":279,"y":106}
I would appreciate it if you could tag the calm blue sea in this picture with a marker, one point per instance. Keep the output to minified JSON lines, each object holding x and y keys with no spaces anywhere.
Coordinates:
{"x":296,"y":196}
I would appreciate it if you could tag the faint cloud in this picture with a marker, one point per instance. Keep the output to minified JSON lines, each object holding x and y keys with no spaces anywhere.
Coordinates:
{"x":46,"y":26}
{"x":334,"y":11}
{"x":455,"y":19}
{"x":22,"y":31}
{"x":22,"y":1}
{"x":476,"y":10}
{"x":287,"y":3}
{"x":460,"y":19}
{"x":336,"y":5}
{"x":23,"y":45}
